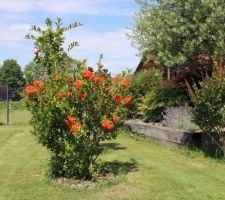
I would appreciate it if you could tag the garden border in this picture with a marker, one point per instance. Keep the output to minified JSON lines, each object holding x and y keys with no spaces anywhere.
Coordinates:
{"x":165,"y":135}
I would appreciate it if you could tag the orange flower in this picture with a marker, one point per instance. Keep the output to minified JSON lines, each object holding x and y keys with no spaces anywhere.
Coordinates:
{"x":70,"y":80}
{"x":69,"y":94}
{"x":97,"y":79}
{"x":57,"y":77}
{"x":42,"y":95}
{"x":88,"y":74}
{"x":82,"y":95}
{"x":38,"y":84}
{"x":106,"y":90}
{"x":107,"y":125}
{"x":116,"y":119}
{"x":30,"y":89}
{"x":60,"y":95}
{"x":75,"y":128}
{"x":78,"y":84}
{"x":127,"y":100}
{"x":36,"y":52}
{"x":125,"y":84}
{"x":118,"y":98}
{"x":102,"y":79}
{"x":71,"y":118}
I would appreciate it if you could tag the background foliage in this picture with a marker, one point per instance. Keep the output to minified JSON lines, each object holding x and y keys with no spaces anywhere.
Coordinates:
{"x":209,"y":101}
{"x":11,"y":75}
{"x":176,"y":33}
{"x":141,"y":83}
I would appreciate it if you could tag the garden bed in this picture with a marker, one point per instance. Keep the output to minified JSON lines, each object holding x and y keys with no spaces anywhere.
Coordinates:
{"x":165,"y":135}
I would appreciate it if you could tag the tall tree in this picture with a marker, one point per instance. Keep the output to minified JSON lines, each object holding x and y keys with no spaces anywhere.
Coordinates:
{"x":34,"y":71}
{"x":177,"y":33}
{"x":11,"y":75}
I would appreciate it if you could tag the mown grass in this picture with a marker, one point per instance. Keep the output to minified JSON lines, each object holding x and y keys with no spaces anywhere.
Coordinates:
{"x":149,"y":170}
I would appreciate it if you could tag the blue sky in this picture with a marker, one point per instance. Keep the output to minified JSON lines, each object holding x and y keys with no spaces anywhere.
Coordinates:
{"x":104,"y":22}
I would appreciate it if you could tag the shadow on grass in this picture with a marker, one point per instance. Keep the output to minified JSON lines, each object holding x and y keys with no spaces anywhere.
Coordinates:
{"x":112,"y":146}
{"x":118,"y":167}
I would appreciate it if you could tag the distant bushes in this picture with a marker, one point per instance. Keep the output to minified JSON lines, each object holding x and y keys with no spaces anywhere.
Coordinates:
{"x":152,"y":97}
{"x":141,"y":84}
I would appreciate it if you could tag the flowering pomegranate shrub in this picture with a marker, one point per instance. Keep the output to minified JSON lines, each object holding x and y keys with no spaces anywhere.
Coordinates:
{"x":72,"y":115}
{"x":73,"y":111}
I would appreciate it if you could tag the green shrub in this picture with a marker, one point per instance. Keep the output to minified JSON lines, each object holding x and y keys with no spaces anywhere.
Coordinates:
{"x":209,"y":106}
{"x":142,"y":83}
{"x":158,"y":99}
{"x":73,"y":111}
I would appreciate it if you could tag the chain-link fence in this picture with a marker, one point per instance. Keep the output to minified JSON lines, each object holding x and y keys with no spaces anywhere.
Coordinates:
{"x":12,"y":112}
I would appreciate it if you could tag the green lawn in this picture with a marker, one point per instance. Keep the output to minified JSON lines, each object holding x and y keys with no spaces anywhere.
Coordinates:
{"x":156,"y":172}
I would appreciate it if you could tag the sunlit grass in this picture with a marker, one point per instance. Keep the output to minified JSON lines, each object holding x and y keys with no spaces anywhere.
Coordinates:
{"x":156,"y":172}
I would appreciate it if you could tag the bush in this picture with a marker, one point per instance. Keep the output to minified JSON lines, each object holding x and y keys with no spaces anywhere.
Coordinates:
{"x":155,"y":102}
{"x":142,"y":83}
{"x":178,"y":117}
{"x":209,"y":101}
{"x":73,"y":111}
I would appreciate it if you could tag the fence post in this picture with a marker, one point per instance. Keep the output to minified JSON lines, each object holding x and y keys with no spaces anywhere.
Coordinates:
{"x":168,"y":74}
{"x":7,"y":103}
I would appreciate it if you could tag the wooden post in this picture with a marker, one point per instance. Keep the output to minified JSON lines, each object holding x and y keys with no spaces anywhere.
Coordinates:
{"x":7,"y":103}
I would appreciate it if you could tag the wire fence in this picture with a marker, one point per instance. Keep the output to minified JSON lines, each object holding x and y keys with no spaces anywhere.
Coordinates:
{"x":5,"y":93}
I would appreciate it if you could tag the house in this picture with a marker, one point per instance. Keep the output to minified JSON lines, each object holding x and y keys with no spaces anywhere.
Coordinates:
{"x":172,"y":77}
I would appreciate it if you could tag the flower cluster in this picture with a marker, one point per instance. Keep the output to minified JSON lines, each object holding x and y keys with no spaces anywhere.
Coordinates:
{"x":71,"y":124}
{"x":107,"y":125}
{"x":35,"y":88}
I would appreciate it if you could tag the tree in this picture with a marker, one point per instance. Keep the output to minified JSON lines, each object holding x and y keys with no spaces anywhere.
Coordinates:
{"x":34,"y":71}
{"x":178,"y":33}
{"x":11,"y":75}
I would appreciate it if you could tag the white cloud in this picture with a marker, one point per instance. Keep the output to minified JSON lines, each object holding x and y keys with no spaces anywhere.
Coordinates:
{"x":13,"y":35}
{"x":93,"y":7}
{"x":17,"y":15}
{"x":114,"y":43}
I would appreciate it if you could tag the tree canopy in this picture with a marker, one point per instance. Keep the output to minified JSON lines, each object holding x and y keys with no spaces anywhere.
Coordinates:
{"x":34,"y":71}
{"x":11,"y":75}
{"x":177,"y":33}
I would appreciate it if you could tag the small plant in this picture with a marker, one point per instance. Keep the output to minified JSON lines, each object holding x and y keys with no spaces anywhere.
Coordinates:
{"x":178,"y":117}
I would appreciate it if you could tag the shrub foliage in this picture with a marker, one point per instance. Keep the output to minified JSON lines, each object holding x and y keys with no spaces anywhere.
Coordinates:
{"x":158,"y":99}
{"x":209,"y":102}
{"x":73,"y":108}
{"x":142,"y":83}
